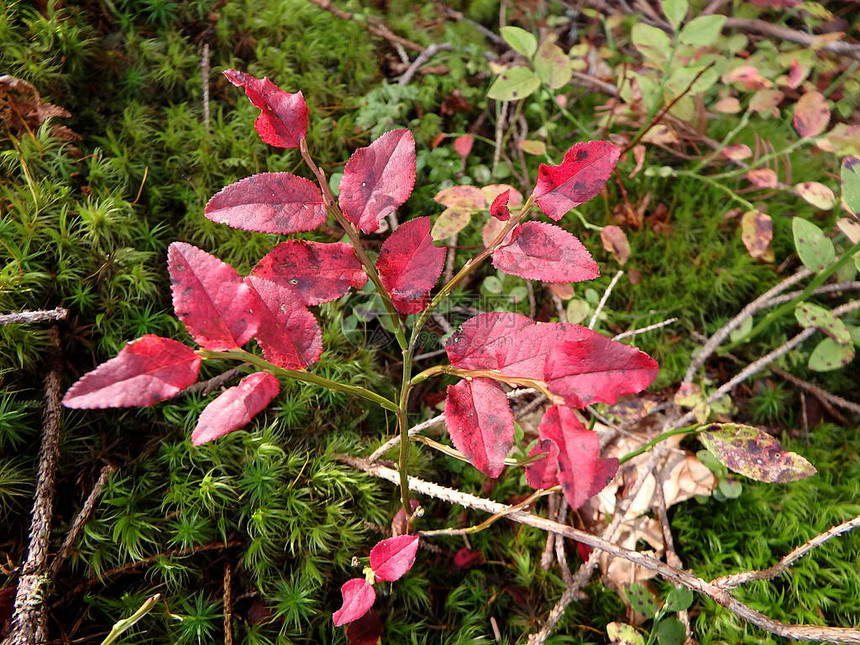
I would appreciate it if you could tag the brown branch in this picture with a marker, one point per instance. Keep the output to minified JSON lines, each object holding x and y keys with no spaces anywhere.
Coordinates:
{"x":82,"y":518}
{"x":27,"y":317}
{"x":216,"y":382}
{"x":228,"y":604}
{"x":685,"y":578}
{"x":737,"y":579}
{"x":421,"y":60}
{"x":29,"y":620}
{"x":791,"y":35}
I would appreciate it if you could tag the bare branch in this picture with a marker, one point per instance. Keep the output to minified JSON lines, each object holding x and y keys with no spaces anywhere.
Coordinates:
{"x":717,"y":593}
{"x":602,"y":303}
{"x":27,"y":317}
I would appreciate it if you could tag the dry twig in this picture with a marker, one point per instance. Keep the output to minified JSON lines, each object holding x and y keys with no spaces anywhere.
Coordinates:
{"x":27,"y":317}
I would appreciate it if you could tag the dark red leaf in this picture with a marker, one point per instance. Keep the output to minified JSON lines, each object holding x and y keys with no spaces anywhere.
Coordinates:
{"x":499,"y":207}
{"x":541,"y":251}
{"x":358,"y":598}
{"x":391,"y":558}
{"x":400,"y":523}
{"x":480,"y":423}
{"x":465,"y":559}
{"x":578,"y":364}
{"x":409,"y":265}
{"x":367,"y":630}
{"x":378,"y":179}
{"x":316,"y":272}
{"x":289,"y":334}
{"x":544,"y":472}
{"x":581,"y":471}
{"x":235,"y":406}
{"x":270,"y":202}
{"x":597,"y":370}
{"x":217,"y":307}
{"x":283,"y":119}
{"x":146,"y":371}
{"x":580,"y":177}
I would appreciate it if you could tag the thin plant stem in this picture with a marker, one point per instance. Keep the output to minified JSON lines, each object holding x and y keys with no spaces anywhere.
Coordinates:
{"x":658,"y":439}
{"x":306,"y":377}
{"x":712,"y":181}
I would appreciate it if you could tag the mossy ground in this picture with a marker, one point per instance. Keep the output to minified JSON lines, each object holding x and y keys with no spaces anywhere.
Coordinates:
{"x":86,"y":225}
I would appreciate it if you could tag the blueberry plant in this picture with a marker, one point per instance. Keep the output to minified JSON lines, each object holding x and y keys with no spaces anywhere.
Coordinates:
{"x":223,"y":311}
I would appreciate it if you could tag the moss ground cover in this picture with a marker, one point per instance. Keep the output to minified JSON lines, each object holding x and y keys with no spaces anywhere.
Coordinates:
{"x":85,"y":224}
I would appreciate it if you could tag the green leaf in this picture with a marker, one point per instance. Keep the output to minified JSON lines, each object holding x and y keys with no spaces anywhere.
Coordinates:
{"x":552,"y":65}
{"x":754,"y":453}
{"x":577,"y":311}
{"x":731,"y":488}
{"x":679,"y":599}
{"x":813,"y":247}
{"x":514,"y":84}
{"x":809,"y":315}
{"x":493,"y":284}
{"x":855,"y":335}
{"x":641,"y":600}
{"x":829,"y":355}
{"x":675,"y":11}
{"x":742,"y":331}
{"x":651,"y":42}
{"x":702,"y":31}
{"x":671,"y":631}
{"x":520,"y":40}
{"x":623,"y":634}
{"x":851,"y":185}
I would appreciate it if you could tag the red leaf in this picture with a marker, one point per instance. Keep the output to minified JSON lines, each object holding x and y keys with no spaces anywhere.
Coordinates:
{"x":811,"y":114}
{"x":393,"y":557}
{"x":574,"y":362}
{"x":544,"y":472}
{"x":217,"y":307}
{"x":146,"y":371}
{"x":270,"y":202}
{"x":597,"y":370}
{"x":580,"y":177}
{"x":367,"y":630}
{"x":480,"y":423}
{"x":581,"y":471}
{"x":499,"y":207}
{"x":358,"y":598}
{"x":466,"y":559}
{"x":235,"y":406}
{"x":483,"y":341}
{"x":316,"y":272}
{"x":378,"y":179}
{"x":283,"y":119}
{"x":289,"y":334}
{"x":541,"y":251}
{"x":409,"y":265}
{"x":463,"y":145}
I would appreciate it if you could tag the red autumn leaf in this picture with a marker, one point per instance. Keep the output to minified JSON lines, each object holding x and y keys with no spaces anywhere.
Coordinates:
{"x":283,"y":120}
{"x":580,"y":177}
{"x":480,"y":423}
{"x":146,"y":371}
{"x":811,"y":114}
{"x":544,"y":472}
{"x":217,"y":307}
{"x":499,"y":207}
{"x":270,"y":202}
{"x":463,"y":145}
{"x":367,"y":630}
{"x":482,"y":343}
{"x":541,"y":251}
{"x":235,"y":406}
{"x":391,"y":558}
{"x":317,"y":272}
{"x":378,"y":179}
{"x":358,"y":598}
{"x":581,"y":471}
{"x":409,"y":265}
{"x":289,"y":335}
{"x":466,"y":559}
{"x":574,"y":362}
{"x":596,"y":369}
